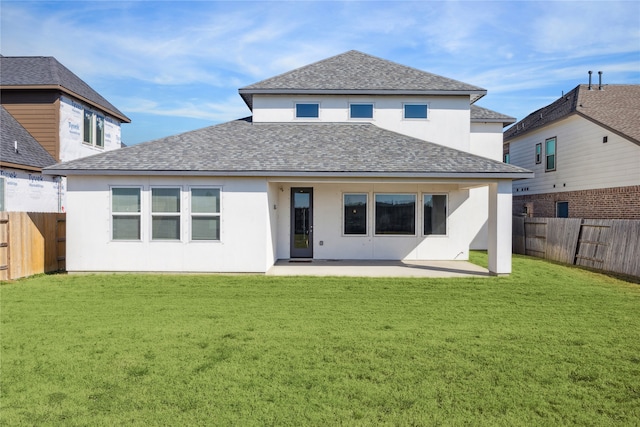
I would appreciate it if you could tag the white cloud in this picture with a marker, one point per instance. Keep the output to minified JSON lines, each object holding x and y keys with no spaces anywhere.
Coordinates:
{"x":186,"y":59}
{"x":216,"y":112}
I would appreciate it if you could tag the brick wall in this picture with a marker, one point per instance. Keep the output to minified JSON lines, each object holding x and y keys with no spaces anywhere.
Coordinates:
{"x":604,"y":203}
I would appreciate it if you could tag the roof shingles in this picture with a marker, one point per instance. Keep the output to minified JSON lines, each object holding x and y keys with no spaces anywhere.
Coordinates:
{"x":20,"y":71}
{"x":242,"y":147}
{"x":356,"y":71}
{"x":616,"y":107}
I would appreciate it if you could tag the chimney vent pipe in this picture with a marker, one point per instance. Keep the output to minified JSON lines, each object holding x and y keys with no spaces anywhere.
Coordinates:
{"x":590,"y":72}
{"x":599,"y":80}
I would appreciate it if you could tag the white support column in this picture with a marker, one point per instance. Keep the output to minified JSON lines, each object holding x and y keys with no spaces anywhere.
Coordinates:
{"x":500,"y":224}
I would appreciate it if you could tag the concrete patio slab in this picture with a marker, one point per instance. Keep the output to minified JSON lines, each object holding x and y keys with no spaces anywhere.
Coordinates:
{"x":376,"y":268}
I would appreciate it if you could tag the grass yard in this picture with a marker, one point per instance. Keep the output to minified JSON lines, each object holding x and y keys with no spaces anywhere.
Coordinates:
{"x":549,"y":345}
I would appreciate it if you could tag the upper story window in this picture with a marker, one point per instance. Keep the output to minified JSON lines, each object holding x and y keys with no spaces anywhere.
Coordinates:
{"x":307,"y":111}
{"x":538,"y":153}
{"x":93,"y":129}
{"x":361,"y":111}
{"x":415,"y":111}
{"x":550,"y":154}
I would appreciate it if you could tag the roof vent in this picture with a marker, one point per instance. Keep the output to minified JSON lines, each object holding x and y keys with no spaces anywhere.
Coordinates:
{"x":599,"y":80}
{"x":590,"y":72}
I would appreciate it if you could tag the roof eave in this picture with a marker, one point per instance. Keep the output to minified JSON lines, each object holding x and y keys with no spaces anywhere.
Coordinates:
{"x":609,"y":128}
{"x":478,"y":92}
{"x":536,"y":127}
{"x":248,"y":93}
{"x":505,"y":121}
{"x":115,"y":114}
{"x":281,"y":173}
{"x":21,"y":166}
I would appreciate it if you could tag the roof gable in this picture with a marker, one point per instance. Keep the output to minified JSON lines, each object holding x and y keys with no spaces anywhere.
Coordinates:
{"x":45,"y":71}
{"x":30,"y":152}
{"x":355,"y":72}
{"x":243,"y":148}
{"x":616,"y":107}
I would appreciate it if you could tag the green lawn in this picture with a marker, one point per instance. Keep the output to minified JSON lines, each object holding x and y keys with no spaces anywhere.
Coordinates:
{"x":549,"y":345}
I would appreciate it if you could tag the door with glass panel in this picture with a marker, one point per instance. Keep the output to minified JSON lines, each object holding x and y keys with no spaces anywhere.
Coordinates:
{"x":301,"y":223}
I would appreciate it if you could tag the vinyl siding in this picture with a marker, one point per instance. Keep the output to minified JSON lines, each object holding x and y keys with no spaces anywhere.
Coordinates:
{"x":40,"y":120}
{"x":583,"y":161}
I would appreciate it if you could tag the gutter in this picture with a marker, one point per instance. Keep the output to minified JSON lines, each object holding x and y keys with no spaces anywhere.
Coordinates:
{"x":289,"y":174}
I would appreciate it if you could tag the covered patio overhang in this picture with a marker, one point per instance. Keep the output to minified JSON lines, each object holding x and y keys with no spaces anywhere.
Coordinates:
{"x":498,"y":225}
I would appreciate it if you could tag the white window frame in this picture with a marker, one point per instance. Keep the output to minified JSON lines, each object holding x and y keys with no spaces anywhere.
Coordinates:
{"x":538,"y":153}
{"x":415,"y":118}
{"x":366,"y":214}
{"x":295,"y":110}
{"x":446,"y":225}
{"x":373,"y":111}
{"x":555,"y":154}
{"x":178,"y":214}
{"x":204,"y":214}
{"x":415,"y":214}
{"x":113,"y":213}
{"x":93,"y":131}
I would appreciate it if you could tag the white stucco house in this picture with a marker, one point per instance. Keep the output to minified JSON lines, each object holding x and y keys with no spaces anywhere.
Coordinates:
{"x":352,"y":157}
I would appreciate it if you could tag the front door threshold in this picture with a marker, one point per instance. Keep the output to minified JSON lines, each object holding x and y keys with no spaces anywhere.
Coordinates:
{"x":300,"y":259}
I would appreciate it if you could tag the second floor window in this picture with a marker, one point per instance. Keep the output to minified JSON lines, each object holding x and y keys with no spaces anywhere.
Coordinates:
{"x":361,"y":111}
{"x":307,"y":111}
{"x":93,"y":133}
{"x":550,"y":154}
{"x":415,"y":111}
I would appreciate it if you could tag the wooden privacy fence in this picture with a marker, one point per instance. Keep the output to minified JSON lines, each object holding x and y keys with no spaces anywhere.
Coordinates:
{"x":604,"y":244}
{"x":31,"y":243}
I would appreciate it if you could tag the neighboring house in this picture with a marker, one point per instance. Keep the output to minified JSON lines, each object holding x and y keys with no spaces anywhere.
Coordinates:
{"x":584,"y":149}
{"x":352,"y":157}
{"x":44,"y":102}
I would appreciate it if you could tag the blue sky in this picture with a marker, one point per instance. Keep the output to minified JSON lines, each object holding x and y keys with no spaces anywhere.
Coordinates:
{"x":175,"y":66}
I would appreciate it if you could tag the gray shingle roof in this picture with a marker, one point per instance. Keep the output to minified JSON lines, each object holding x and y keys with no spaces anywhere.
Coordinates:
{"x":355,"y":72}
{"x":480,"y":114}
{"x":244,"y":148}
{"x":30,"y":152}
{"x":17,"y":71}
{"x":616,"y":107}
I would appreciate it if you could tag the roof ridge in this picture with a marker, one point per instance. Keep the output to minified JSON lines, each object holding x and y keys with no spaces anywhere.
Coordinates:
{"x":354,"y":72}
{"x":617,"y":109}
{"x":300,"y":68}
{"x":54,"y":65}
